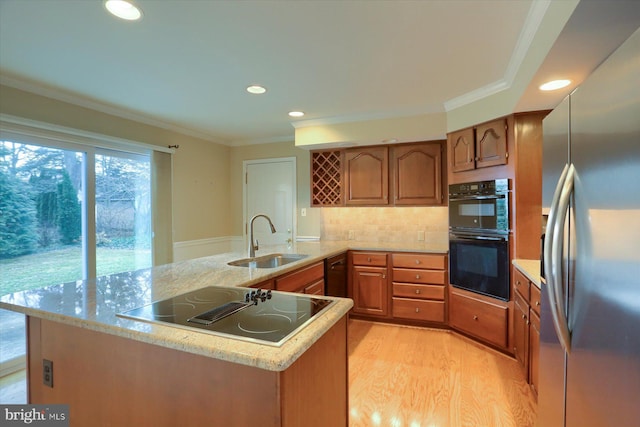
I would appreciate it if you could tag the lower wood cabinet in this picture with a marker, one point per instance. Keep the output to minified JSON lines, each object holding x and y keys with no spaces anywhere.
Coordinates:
{"x":308,"y":280}
{"x":418,"y":287}
{"x":370,"y":291}
{"x":478,"y":316}
{"x":534,"y":338}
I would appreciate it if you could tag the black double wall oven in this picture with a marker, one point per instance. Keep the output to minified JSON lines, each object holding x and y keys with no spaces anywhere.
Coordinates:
{"x":479,"y":237}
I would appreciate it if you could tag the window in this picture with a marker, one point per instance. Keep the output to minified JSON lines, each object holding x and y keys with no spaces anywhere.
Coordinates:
{"x":71,"y":211}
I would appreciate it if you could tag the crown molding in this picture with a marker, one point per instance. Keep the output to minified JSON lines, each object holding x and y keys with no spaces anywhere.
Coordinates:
{"x":64,"y":96}
{"x":534,"y":18}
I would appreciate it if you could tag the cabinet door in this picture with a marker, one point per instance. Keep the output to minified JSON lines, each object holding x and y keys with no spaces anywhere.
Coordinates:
{"x":367,"y":176}
{"x":521,"y":333}
{"x":417,"y":174}
{"x":491,"y":144}
{"x":534,"y":350}
{"x":462,"y":148}
{"x":370,"y":291}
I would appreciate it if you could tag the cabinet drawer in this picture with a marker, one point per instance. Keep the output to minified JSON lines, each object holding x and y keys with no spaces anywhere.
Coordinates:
{"x":479,"y":318}
{"x":299,"y":279}
{"x":435,"y":262}
{"x":432,"y":311}
{"x":534,"y":301}
{"x":316,"y":288}
{"x":370,"y":258}
{"x":418,"y":291}
{"x":418,"y":276}
{"x":521,"y":284}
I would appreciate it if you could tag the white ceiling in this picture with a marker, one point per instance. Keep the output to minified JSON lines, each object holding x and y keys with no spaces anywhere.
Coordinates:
{"x":187,"y":63}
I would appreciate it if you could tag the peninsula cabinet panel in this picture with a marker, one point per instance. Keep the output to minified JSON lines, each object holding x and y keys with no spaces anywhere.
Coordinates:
{"x":142,"y":384}
{"x":367,"y":176}
{"x":416,"y":170}
{"x":462,"y":150}
{"x":521,"y":332}
{"x":534,"y":350}
{"x":479,"y":317}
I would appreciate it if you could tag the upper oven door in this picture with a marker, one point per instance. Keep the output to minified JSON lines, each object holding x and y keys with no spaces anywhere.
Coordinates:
{"x":487,"y":212}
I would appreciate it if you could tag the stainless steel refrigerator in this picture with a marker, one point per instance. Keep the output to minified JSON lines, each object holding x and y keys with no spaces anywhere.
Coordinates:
{"x":590,"y":320}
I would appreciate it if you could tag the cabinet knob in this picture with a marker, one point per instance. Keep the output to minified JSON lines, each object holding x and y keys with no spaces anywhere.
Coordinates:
{"x":417,"y":310}
{"x":417,"y":276}
{"x":417,"y":291}
{"x":517,"y":282}
{"x":524,"y":316}
{"x":475,"y":317}
{"x":368,"y":259}
{"x":537,"y":303}
{"x":384,"y":276}
{"x":417,"y":261}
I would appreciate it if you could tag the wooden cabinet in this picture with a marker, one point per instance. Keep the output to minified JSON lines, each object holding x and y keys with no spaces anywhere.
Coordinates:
{"x":527,"y":326}
{"x":411,"y":174}
{"x":416,"y":171}
{"x":418,"y":287}
{"x":534,"y":338}
{"x":521,"y":332}
{"x":266,"y":285}
{"x":308,"y":279}
{"x":370,"y":286}
{"x":482,"y":317}
{"x":462,"y":151}
{"x":327,"y":178}
{"x":367,"y":176}
{"x":481,"y":146}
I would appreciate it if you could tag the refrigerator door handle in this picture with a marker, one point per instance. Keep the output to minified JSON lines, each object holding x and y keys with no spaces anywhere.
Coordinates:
{"x":562,"y":324}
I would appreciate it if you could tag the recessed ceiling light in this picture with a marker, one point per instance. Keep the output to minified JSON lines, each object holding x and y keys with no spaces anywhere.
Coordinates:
{"x":555,"y":84}
{"x":256,"y":89}
{"x":123,"y":9}
{"x":296,"y":113}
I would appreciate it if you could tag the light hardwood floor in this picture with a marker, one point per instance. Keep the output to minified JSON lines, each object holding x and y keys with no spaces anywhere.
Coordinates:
{"x":413,"y":377}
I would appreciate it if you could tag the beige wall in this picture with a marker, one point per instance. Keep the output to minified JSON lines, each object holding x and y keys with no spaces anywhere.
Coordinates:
{"x":308,"y":225}
{"x":200,"y":168}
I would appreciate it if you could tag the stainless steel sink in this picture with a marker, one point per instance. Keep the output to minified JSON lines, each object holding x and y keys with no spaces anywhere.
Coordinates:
{"x":267,"y":261}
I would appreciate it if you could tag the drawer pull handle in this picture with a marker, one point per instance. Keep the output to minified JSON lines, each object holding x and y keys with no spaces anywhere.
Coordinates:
{"x":417,"y":310}
{"x":368,"y":259}
{"x":417,"y":291}
{"x":417,"y":276}
{"x":417,"y":261}
{"x":475,"y":317}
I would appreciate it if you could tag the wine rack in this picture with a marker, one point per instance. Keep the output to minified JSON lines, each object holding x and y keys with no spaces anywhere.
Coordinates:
{"x":326,"y":178}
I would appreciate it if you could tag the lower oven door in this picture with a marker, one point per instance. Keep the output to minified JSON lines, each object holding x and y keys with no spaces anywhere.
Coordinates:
{"x":480,"y":263}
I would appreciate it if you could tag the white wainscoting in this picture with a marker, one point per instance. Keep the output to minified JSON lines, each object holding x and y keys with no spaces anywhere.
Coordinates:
{"x":205,"y":247}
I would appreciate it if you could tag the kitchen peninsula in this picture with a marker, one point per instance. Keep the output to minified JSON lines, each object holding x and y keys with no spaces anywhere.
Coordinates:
{"x":117,"y":371}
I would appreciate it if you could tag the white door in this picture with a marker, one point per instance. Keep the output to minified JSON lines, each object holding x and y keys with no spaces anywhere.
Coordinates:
{"x":270,"y":188}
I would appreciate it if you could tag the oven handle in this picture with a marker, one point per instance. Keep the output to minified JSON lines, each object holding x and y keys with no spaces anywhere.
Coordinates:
{"x":462,"y":199}
{"x":469,"y":237}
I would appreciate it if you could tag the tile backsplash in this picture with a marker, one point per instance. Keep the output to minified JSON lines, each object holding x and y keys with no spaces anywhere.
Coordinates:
{"x":376,"y":224}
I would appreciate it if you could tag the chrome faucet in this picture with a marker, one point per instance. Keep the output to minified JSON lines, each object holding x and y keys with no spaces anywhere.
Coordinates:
{"x":253,"y":248}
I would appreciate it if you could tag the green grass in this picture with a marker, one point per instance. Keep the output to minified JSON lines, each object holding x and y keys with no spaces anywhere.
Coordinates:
{"x":60,"y":266}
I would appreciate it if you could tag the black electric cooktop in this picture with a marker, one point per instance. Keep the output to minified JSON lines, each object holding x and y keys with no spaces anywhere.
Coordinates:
{"x":247,"y":314}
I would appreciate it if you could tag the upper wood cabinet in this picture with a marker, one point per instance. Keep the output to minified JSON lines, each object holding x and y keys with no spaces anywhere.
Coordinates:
{"x":326,"y":178}
{"x":381,"y":175}
{"x":416,"y":171}
{"x":463,"y":151}
{"x":367,"y":176}
{"x":478,"y":147}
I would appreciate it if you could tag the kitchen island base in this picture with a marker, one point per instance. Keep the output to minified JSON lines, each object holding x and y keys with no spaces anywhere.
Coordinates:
{"x":109,"y":380}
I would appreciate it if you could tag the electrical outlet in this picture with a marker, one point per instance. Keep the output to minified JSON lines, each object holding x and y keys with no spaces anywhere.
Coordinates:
{"x":47,"y":372}
{"x":303,"y":212}
{"x":352,"y":234}
{"x":421,"y":236}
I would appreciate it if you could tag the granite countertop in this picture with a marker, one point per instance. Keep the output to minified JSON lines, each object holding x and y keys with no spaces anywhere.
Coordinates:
{"x":530,"y":268}
{"x":93,"y":304}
